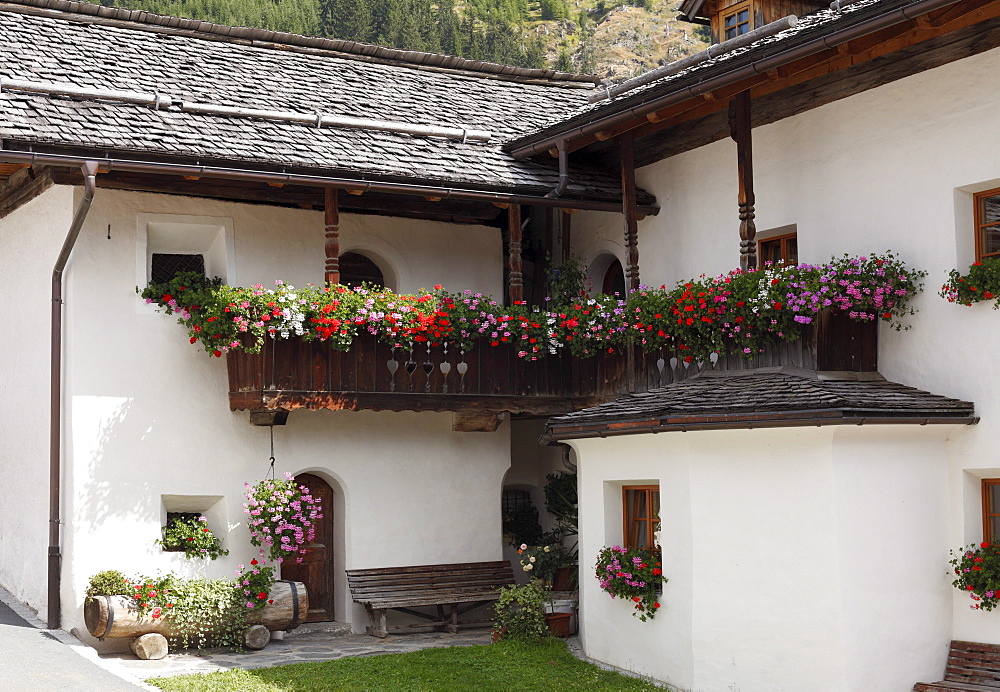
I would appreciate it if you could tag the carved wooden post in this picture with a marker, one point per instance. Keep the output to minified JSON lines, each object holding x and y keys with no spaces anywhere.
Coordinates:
{"x":739,"y":125}
{"x":627,"y":144}
{"x":515,"y":285}
{"x":332,"y":218}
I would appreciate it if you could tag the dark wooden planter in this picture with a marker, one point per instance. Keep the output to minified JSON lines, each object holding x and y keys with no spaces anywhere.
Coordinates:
{"x":564,"y":579}
{"x":558,"y":623}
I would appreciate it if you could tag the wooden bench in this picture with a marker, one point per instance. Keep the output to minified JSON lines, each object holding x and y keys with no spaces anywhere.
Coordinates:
{"x":971,"y":668}
{"x":461,"y":587}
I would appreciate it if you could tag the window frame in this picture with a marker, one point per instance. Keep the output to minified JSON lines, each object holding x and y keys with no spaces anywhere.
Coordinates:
{"x":987,"y":484}
{"x":783,"y":245}
{"x":730,"y":12}
{"x":980,"y":224}
{"x":651,"y":521}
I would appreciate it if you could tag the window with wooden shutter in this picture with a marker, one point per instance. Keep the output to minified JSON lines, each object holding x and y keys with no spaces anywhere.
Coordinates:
{"x":991,"y":509}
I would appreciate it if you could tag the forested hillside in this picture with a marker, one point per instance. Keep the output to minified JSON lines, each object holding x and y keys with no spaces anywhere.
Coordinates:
{"x":613,"y":40}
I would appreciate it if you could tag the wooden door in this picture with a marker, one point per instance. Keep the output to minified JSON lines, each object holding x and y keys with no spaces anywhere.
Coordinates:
{"x":316,"y":568}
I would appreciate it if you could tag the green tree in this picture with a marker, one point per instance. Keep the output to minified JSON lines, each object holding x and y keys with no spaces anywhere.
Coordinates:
{"x":564,"y":63}
{"x":346,"y":19}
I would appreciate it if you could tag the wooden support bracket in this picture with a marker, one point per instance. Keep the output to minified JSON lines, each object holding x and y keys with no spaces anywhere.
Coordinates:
{"x":269,"y":417}
{"x":476,"y":421}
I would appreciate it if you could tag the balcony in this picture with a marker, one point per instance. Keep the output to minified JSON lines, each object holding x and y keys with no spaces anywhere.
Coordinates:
{"x":292,"y":374}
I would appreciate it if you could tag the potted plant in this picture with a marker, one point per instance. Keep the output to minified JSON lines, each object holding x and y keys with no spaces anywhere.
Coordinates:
{"x":633,"y":574}
{"x":977,"y":572}
{"x":192,"y":537}
{"x":281,"y":517}
{"x":544,"y":562}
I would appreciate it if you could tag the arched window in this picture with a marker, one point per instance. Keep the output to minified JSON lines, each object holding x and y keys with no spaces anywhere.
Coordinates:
{"x":356,"y":269}
{"x":614,"y":279}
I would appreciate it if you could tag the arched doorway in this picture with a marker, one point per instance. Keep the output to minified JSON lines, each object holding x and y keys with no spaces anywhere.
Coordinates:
{"x":614,"y":279}
{"x":356,"y":269}
{"x":316,"y":568}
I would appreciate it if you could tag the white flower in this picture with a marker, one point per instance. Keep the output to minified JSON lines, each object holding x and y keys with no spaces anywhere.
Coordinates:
{"x":528,"y":567}
{"x":531,"y":559}
{"x":546,"y":548}
{"x":524,"y":546}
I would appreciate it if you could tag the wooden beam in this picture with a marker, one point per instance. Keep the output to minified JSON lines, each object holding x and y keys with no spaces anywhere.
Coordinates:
{"x":627,"y":159}
{"x":23,"y":186}
{"x":476,"y":421}
{"x":515,"y":286}
{"x":740,"y":128}
{"x":331,"y":215}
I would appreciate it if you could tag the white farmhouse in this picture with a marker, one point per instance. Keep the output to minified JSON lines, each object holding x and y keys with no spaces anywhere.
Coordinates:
{"x":806,"y":499}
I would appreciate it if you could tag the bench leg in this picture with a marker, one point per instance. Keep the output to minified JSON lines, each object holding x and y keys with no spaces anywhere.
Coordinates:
{"x":440,"y":623}
{"x":452,"y":627}
{"x":376,"y":628}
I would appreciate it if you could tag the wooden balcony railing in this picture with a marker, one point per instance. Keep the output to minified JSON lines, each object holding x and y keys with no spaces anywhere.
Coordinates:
{"x":290,"y":374}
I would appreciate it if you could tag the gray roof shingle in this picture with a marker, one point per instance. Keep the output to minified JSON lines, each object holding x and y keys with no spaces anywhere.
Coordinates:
{"x":737,"y":398}
{"x":70,"y":49}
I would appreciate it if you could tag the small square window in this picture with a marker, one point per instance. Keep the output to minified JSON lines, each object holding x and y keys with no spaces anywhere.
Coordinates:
{"x":164,"y":266}
{"x":736,"y":21}
{"x":987,"y":224}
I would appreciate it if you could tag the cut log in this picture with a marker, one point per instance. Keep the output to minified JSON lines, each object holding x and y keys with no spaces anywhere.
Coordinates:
{"x":114,"y":616}
{"x":149,"y":647}
{"x":256,"y":637}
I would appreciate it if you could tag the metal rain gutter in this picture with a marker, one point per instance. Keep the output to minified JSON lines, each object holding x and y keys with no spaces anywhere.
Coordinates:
{"x":817,"y":421}
{"x":563,"y":172}
{"x":108,"y":164}
{"x":640,"y":110}
{"x":55,"y":394}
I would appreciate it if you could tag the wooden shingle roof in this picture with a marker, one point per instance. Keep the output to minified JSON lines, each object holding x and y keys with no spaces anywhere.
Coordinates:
{"x":768,"y":398}
{"x":122,"y":50}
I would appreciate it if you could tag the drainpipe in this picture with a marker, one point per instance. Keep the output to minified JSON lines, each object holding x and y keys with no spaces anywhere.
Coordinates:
{"x":89,"y":170}
{"x":563,"y":171}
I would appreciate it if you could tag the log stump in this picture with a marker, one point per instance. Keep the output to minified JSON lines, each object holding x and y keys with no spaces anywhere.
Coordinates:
{"x":256,"y":637}
{"x":150,"y":647}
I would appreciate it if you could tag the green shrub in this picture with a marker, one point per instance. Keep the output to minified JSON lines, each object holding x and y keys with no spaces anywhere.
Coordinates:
{"x":520,"y":612}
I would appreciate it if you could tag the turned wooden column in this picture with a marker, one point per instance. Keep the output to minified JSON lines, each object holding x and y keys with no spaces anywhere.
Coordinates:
{"x":515,"y":284}
{"x":739,"y":126}
{"x":627,"y":145}
{"x":332,"y":219}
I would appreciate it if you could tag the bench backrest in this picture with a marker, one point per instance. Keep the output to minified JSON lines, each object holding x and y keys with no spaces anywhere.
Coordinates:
{"x":390,"y":581}
{"x":973,"y":663}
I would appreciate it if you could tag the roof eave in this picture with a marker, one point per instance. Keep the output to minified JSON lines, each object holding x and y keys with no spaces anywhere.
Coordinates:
{"x":789,"y":419}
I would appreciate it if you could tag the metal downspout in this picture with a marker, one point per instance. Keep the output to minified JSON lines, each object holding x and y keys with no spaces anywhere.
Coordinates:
{"x":89,"y":169}
{"x":563,"y":171}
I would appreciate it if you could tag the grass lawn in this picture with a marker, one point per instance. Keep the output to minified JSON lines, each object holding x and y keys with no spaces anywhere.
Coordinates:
{"x":502,"y":666}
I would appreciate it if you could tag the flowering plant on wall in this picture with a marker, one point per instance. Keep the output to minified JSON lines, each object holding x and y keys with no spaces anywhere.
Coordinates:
{"x":193,"y":537}
{"x":741,"y":310}
{"x":977,"y":572}
{"x":981,"y":282}
{"x":632,"y":574}
{"x":281,"y":515}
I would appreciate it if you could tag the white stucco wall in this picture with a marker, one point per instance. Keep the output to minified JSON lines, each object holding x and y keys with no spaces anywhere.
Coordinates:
{"x":890,"y":168}
{"x":795,"y":562}
{"x":147,"y":413}
{"x":30,"y":239}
